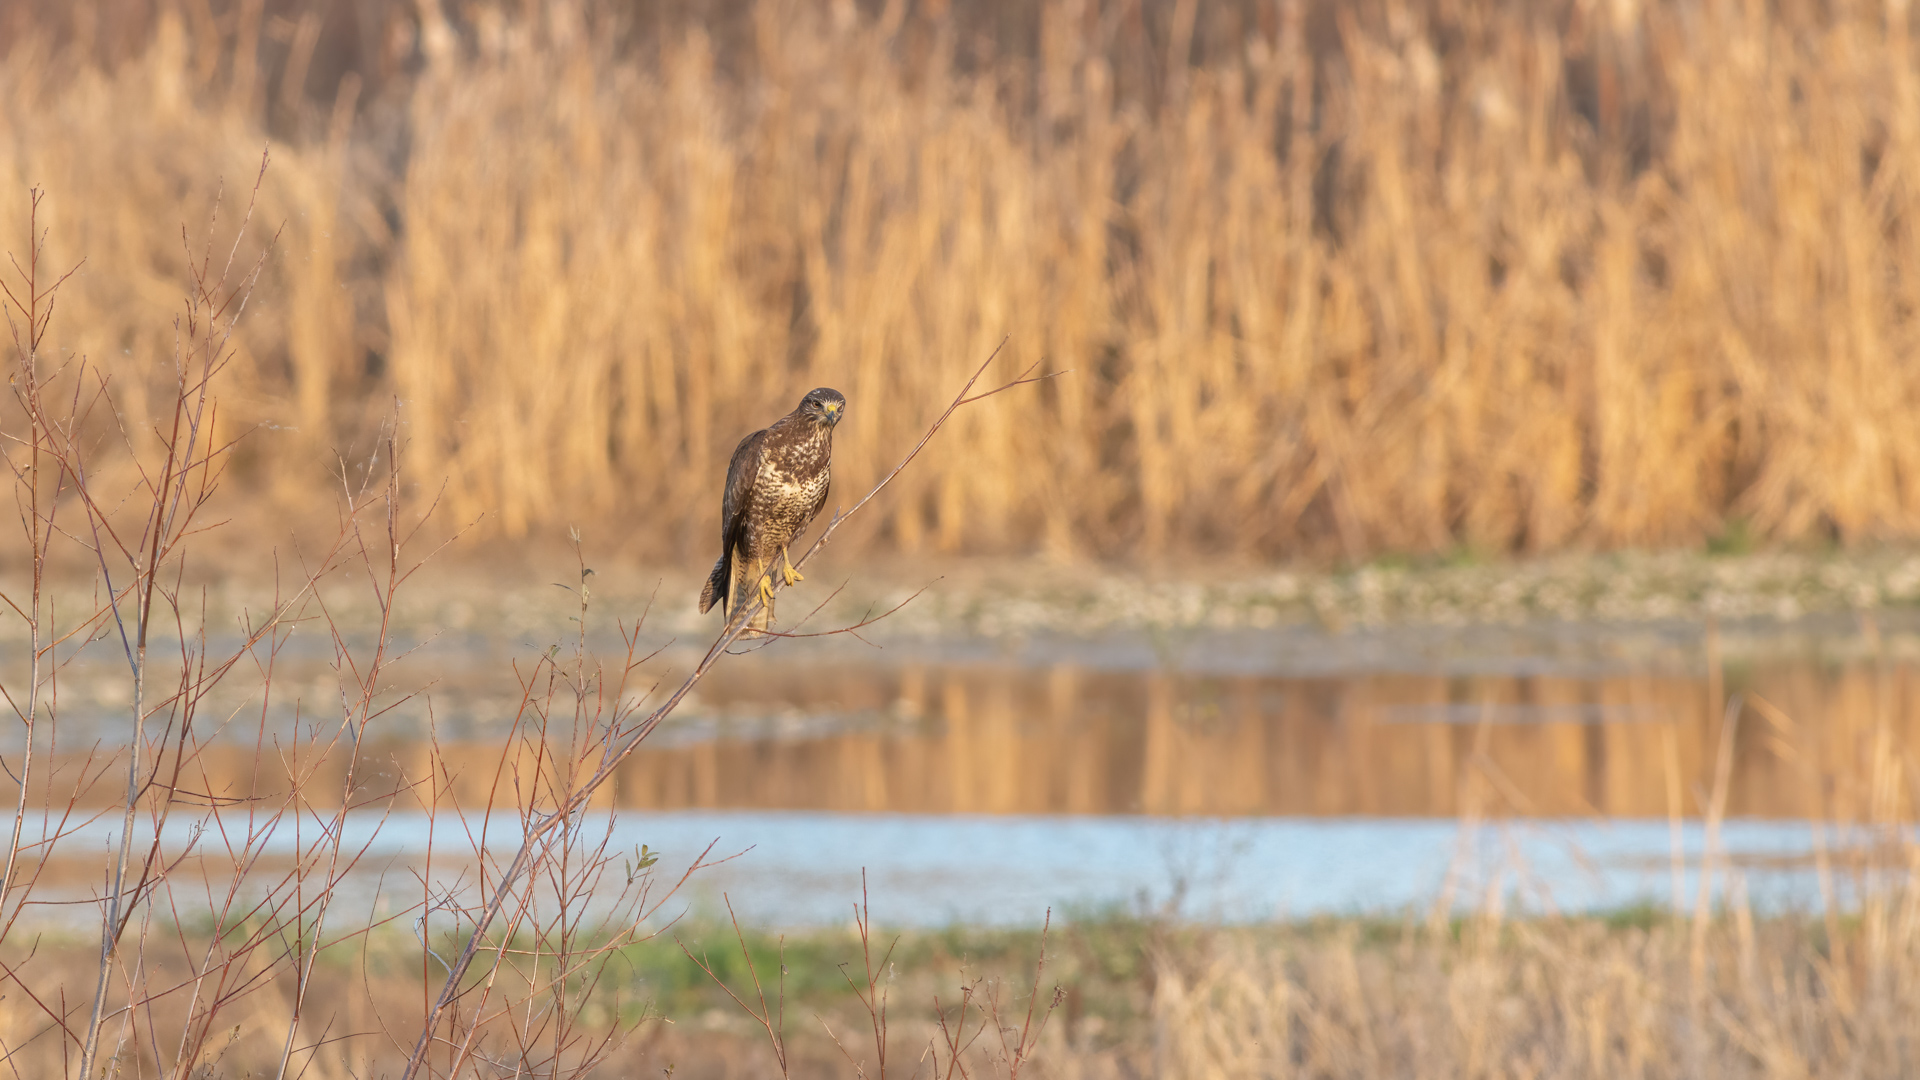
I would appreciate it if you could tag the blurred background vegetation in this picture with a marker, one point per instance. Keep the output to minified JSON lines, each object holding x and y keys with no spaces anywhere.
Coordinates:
{"x":1334,"y":279}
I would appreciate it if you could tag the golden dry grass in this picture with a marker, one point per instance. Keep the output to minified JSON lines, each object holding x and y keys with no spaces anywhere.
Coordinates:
{"x":1400,"y":276}
{"x":1574,"y":999}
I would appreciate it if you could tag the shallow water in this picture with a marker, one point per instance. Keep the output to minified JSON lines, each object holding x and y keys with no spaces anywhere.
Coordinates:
{"x":987,"y":785}
{"x":809,"y":868}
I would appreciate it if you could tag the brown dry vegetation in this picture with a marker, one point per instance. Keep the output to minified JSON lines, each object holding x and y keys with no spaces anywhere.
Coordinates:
{"x":1484,"y":997}
{"x":1331,"y":278}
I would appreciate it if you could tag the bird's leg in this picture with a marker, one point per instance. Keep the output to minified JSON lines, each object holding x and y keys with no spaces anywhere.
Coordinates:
{"x":786,"y":568}
{"x":766,"y":590}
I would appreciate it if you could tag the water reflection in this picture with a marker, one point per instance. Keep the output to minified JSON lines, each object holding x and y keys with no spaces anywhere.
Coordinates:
{"x":988,"y":791}
{"x":986,"y":739}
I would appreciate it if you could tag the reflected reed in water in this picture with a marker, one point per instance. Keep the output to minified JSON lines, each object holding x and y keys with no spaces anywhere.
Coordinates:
{"x":981,"y":739}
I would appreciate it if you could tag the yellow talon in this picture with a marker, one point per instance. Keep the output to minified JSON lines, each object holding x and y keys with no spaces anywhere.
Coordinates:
{"x":787,"y":571}
{"x":766,"y":590}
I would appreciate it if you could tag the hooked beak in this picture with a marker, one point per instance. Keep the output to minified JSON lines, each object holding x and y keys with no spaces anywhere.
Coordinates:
{"x":834,"y":409}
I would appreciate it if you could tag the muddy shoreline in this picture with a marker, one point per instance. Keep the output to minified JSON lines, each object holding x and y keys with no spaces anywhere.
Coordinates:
{"x":1566,"y":613}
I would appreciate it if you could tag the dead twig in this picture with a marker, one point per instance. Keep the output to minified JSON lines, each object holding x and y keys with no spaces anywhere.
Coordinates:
{"x":771,"y":1021}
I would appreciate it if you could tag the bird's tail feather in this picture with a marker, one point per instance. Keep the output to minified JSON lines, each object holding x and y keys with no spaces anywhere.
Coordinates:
{"x":716,"y":589}
{"x":746,"y":583}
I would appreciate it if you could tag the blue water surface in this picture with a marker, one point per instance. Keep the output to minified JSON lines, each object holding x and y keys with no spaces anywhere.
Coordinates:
{"x":800,"y":869}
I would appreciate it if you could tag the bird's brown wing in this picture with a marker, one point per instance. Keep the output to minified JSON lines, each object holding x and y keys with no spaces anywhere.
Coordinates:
{"x":819,"y":504}
{"x":740,"y":473}
{"x":733,"y":511}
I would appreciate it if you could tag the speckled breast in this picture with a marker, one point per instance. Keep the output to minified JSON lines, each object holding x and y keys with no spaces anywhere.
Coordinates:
{"x":792,"y":482}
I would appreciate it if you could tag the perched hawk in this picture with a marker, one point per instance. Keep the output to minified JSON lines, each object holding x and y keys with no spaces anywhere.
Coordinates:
{"x":776,"y":483}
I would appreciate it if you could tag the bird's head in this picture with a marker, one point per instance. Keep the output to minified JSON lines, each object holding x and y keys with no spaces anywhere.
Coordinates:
{"x":823,"y":406}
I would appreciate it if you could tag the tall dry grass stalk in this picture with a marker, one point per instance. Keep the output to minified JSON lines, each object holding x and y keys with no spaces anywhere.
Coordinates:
{"x":1531,"y":999}
{"x":1336,"y":279}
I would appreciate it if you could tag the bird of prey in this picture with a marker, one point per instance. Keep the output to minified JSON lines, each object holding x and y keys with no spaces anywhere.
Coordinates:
{"x":776,"y":483}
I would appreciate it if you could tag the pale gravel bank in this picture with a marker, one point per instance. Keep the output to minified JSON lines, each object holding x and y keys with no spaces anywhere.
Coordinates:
{"x":1755,"y":598}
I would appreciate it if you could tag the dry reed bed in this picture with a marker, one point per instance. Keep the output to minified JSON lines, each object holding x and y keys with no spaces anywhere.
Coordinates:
{"x":1428,"y":288}
{"x":1552,"y":999}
